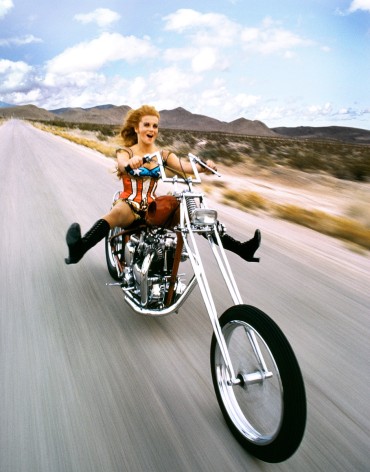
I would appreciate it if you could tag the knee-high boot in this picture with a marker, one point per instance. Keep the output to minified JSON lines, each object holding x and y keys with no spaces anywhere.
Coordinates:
{"x":78,"y":245}
{"x":245,"y":250}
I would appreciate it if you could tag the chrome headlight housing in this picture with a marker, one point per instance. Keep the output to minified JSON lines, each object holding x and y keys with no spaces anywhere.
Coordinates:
{"x":203,"y":217}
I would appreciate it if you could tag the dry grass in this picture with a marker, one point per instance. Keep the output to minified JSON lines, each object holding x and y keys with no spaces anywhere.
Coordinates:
{"x":106,"y":148}
{"x":360,"y":211}
{"x":337,"y":226}
{"x":347,"y":229}
{"x":245,"y":200}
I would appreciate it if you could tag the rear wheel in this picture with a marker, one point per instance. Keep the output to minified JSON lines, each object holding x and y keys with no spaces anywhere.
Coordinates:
{"x":114,"y":253}
{"x":266,"y":413}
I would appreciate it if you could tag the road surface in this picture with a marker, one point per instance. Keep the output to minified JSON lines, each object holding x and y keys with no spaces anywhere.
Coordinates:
{"x":87,"y":385}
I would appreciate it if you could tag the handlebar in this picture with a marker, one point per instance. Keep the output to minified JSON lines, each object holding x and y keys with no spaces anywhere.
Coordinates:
{"x":195,"y":159}
{"x":203,"y":164}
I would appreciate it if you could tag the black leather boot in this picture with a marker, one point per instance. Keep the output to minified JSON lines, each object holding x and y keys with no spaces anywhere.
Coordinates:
{"x":245,"y":250}
{"x":78,"y":245}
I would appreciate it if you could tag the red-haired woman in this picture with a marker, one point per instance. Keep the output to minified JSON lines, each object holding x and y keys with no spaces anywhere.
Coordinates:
{"x":139,"y":133}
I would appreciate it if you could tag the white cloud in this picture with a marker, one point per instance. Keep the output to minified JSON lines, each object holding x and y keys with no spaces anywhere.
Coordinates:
{"x":171,"y":81}
{"x":179,"y":54}
{"x":201,"y":59}
{"x":207,"y":29}
{"x":13,"y":75}
{"x":359,"y":5}
{"x":211,"y":37}
{"x":271,"y":38}
{"x":185,"y":19}
{"x":5,"y":7}
{"x":205,"y":59}
{"x":297,"y":113}
{"x":93,"y":55}
{"x":222,"y":103}
{"x":103,"y":17}
{"x":79,"y":79}
{"x":246,"y":101}
{"x":20,"y":41}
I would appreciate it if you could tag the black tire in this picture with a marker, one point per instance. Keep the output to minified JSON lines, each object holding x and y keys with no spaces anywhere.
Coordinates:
{"x":112,"y":251}
{"x":268,"y":417}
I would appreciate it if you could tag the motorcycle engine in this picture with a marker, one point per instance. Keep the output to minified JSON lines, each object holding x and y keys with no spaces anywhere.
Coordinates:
{"x":148,"y":264}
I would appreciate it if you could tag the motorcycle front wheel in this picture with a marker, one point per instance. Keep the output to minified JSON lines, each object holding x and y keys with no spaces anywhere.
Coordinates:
{"x":113,"y":250}
{"x":265,"y":413}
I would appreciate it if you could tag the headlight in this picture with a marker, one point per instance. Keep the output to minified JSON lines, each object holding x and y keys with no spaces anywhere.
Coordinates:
{"x":203,"y":216}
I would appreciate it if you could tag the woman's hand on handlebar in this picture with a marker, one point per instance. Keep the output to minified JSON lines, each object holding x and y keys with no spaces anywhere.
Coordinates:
{"x":210,"y":164}
{"x":135,"y":162}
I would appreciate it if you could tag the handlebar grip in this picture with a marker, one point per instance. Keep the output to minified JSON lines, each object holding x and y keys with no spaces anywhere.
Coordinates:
{"x":128,"y":168}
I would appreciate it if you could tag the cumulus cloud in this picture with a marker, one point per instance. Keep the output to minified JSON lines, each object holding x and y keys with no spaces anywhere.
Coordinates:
{"x":103,"y":17}
{"x":204,"y":59}
{"x":14,"y":75}
{"x":171,"y":81}
{"x":205,"y":29}
{"x":271,"y":38}
{"x":93,"y":55}
{"x":212,"y":35}
{"x":185,"y":19}
{"x":221,"y":102}
{"x":326,"y":109}
{"x":5,"y":7}
{"x":359,"y":5}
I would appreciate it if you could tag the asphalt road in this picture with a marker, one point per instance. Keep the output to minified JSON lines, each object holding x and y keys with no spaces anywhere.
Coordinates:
{"x":87,"y":385}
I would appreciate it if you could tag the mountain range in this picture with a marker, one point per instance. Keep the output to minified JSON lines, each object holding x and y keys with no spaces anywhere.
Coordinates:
{"x":179,"y":118}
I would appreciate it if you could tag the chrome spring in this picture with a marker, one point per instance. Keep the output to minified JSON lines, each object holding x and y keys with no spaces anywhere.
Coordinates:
{"x":190,"y":204}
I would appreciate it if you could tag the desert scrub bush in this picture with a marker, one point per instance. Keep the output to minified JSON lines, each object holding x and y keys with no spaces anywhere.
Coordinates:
{"x":336,"y":226}
{"x":244,"y":200}
{"x":219,"y":153}
{"x":165,"y":138}
{"x":218,"y":183}
{"x":360,"y":211}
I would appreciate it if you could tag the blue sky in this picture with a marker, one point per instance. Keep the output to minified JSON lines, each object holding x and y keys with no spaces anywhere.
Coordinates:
{"x":286,"y":63}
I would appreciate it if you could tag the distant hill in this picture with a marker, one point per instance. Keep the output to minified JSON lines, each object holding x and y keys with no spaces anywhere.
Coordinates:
{"x":339,"y":133}
{"x":181,"y":119}
{"x":104,"y":114}
{"x":27,"y":112}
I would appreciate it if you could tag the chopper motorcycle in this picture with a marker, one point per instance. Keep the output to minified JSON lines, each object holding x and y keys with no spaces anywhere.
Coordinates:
{"x":256,"y":377}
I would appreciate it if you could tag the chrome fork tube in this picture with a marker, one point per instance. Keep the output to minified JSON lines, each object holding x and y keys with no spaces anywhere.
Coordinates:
{"x":225,"y":268}
{"x":199,"y":272}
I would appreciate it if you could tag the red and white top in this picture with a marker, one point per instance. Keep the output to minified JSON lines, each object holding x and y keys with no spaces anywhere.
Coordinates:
{"x":139,"y":185}
{"x":139,"y":189}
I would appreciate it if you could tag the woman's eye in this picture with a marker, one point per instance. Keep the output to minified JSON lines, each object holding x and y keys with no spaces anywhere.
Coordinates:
{"x":148,"y":125}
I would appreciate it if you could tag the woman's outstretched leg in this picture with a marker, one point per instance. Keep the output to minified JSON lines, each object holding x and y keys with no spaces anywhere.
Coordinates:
{"x":78,"y":245}
{"x":120,"y":215}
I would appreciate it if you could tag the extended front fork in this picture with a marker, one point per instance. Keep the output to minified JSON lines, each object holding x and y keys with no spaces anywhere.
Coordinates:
{"x":242,"y":379}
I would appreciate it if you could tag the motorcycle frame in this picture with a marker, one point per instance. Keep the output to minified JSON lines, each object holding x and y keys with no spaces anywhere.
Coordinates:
{"x":186,"y":231}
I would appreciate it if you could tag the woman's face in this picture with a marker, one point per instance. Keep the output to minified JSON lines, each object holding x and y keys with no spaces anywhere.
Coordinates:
{"x":147,"y":130}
